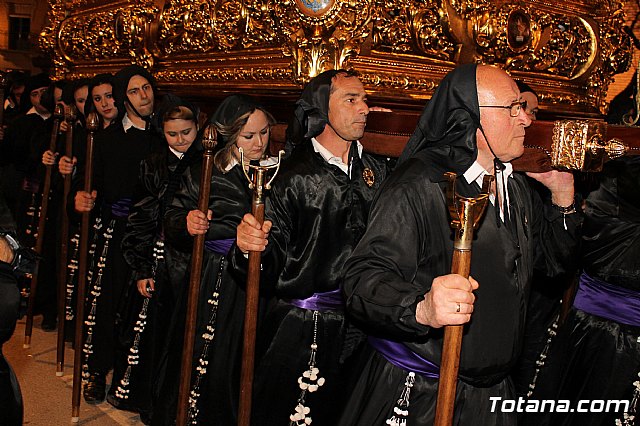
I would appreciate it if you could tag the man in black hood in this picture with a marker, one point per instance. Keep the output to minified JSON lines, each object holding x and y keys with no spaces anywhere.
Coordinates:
{"x":397,"y":282}
{"x":119,"y":149}
{"x":318,"y":208}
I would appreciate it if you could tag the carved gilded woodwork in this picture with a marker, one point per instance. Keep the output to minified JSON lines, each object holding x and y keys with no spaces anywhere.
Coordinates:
{"x":568,"y":50}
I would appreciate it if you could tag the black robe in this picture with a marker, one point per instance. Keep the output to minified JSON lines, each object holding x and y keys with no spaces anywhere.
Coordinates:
{"x":318,"y":215}
{"x":220,"y":304}
{"x":409,"y":243}
{"x":594,"y":358}
{"x":11,"y":408}
{"x":143,"y":235}
{"x":116,"y":164}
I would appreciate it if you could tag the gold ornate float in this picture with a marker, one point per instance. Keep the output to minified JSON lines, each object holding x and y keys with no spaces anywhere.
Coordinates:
{"x":568,"y":50}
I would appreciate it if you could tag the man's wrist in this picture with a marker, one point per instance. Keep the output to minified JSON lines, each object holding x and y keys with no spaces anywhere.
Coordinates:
{"x":564,"y":209}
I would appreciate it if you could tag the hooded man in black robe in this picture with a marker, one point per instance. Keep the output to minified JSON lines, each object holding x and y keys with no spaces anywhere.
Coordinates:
{"x":119,"y":149}
{"x":397,"y":282}
{"x":318,"y":208}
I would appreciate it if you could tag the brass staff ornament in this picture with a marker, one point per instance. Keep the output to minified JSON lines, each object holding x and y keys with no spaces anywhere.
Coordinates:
{"x":465,"y":216}
{"x":257,"y":183}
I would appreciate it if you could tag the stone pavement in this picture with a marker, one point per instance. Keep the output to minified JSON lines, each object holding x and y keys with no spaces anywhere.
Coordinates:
{"x":47,"y":398}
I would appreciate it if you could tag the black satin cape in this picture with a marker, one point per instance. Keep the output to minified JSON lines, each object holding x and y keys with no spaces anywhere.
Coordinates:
{"x":318,"y":215}
{"x":593,"y":358}
{"x":409,"y":242}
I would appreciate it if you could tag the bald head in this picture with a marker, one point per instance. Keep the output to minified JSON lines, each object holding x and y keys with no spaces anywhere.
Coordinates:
{"x":492,"y":80}
{"x":503,"y":135}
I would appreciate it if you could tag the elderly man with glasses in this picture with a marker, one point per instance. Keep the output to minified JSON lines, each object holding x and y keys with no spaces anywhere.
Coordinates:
{"x":398,"y":285}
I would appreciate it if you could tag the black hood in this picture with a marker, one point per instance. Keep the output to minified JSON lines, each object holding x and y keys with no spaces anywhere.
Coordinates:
{"x":121,"y":82}
{"x":96,"y":80}
{"x":312,"y":109}
{"x":446,"y":130}
{"x":168,"y":103}
{"x":230,"y":109}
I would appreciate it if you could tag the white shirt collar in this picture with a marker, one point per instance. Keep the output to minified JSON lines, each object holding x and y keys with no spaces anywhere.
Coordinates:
{"x":33,"y":110}
{"x":332,"y":159}
{"x":476,"y":174}
{"x":177,"y":153}
{"x":127,"y":123}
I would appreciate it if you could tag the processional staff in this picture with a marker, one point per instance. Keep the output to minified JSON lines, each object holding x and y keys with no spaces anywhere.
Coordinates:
{"x":465,"y":215}
{"x":92,"y":126}
{"x":64,"y":246}
{"x":58,"y":115}
{"x":257,"y":183}
{"x":209,"y":142}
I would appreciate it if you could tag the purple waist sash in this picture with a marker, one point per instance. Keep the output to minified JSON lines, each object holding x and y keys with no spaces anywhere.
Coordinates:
{"x":121,"y":207}
{"x":401,"y":356}
{"x":602,"y":299}
{"x":31,"y":184}
{"x":327,"y":301}
{"x":219,"y":246}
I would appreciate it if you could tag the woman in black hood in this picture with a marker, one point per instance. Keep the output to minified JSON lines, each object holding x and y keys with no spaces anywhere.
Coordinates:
{"x":243,"y":122}
{"x":158,"y":268}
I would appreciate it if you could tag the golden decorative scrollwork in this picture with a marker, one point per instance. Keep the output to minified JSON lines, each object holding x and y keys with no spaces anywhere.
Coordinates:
{"x":48,"y":41}
{"x":326,"y":42}
{"x":411,"y":26}
{"x":569,"y":50}
{"x":213,"y":26}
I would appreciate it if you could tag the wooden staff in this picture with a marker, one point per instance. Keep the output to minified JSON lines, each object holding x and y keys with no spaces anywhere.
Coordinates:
{"x":64,"y":245}
{"x":257,"y":183}
{"x":92,"y":126}
{"x":58,"y":114}
{"x":209,"y":141}
{"x":465,"y":215}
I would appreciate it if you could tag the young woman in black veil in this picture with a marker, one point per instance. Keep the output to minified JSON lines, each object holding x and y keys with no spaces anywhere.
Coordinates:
{"x":157,"y":269}
{"x":241,"y":123}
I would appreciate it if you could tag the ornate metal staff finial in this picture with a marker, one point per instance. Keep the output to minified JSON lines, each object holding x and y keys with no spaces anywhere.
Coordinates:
{"x":58,"y":112}
{"x":93,"y":121}
{"x":466,"y":212}
{"x":209,"y":137}
{"x":70,"y":114}
{"x":259,"y":172}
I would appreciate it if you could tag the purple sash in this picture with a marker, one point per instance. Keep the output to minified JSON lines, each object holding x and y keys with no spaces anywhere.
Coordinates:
{"x":602,"y":299}
{"x":401,"y":356}
{"x":327,"y":301}
{"x":219,"y":246}
{"x":31,"y":184}
{"x":120,"y":208}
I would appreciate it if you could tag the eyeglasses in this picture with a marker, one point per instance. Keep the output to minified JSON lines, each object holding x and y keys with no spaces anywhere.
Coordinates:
{"x":514,"y":108}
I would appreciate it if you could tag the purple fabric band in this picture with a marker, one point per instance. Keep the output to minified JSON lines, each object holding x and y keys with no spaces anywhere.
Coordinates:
{"x":219,"y":246}
{"x":31,"y":184}
{"x":327,"y":301}
{"x":602,"y":299}
{"x":401,"y":356}
{"x":121,"y":207}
